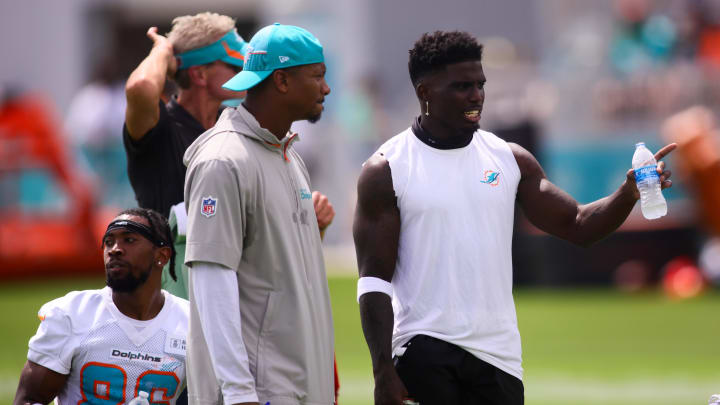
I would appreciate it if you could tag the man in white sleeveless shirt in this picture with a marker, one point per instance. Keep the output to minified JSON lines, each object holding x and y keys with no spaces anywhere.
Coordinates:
{"x":433,"y":232}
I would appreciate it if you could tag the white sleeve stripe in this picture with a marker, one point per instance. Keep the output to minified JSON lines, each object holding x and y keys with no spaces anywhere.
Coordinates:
{"x":215,"y":290}
{"x":373,"y":284}
{"x":240,"y":399}
{"x":48,"y":361}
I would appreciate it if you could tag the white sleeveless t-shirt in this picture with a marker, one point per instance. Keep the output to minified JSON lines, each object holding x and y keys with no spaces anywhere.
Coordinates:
{"x":453,"y":277}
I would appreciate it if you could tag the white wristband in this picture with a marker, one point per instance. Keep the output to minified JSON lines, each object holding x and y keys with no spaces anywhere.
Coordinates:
{"x":373,"y":284}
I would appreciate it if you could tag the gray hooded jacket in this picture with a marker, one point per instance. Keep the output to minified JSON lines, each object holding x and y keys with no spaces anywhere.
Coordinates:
{"x":250,"y":209}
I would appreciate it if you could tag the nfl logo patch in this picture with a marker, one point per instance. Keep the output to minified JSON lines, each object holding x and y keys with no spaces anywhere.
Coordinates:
{"x":208,"y":206}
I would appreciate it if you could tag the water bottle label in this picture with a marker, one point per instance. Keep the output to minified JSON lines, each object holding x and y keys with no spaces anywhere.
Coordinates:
{"x":646,"y":173}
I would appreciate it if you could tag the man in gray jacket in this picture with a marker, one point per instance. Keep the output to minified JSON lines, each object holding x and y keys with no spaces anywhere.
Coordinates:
{"x":261,"y":325}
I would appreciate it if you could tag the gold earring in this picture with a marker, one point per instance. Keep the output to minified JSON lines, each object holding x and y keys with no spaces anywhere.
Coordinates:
{"x":427,"y":108}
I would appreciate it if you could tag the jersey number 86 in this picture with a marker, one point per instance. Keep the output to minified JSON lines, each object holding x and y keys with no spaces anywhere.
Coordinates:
{"x":104,"y":384}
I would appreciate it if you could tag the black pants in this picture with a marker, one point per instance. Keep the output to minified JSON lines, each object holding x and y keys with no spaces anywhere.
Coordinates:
{"x":439,"y":373}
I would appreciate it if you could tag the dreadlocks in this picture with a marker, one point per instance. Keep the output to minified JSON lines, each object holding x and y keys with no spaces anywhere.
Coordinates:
{"x":160,"y":228}
{"x":434,"y":51}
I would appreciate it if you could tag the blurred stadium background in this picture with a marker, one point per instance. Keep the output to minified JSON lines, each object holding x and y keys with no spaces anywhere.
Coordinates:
{"x":633,"y":320}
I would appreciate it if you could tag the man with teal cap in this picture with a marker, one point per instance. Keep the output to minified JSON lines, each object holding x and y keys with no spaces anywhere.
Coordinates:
{"x":200,"y":53}
{"x":261,"y":325}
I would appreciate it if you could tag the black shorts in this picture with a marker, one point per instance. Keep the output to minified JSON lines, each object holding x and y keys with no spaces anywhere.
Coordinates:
{"x":436,"y":372}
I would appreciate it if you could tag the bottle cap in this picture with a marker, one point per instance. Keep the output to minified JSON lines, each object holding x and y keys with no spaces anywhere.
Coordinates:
{"x":639,"y":144}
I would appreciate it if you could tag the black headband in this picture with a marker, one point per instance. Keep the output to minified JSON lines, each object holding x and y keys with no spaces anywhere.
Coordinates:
{"x":136,"y":227}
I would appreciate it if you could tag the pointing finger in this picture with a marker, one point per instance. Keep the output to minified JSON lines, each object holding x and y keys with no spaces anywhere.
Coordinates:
{"x":665,"y":151}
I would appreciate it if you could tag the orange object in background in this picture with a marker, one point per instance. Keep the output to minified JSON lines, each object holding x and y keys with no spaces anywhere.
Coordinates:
{"x":709,"y":46}
{"x":682,"y":279}
{"x":45,"y":243}
{"x":698,"y":150}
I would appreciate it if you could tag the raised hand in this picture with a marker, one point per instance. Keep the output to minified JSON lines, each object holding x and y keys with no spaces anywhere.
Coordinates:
{"x":665,"y":181}
{"x":163,"y":44}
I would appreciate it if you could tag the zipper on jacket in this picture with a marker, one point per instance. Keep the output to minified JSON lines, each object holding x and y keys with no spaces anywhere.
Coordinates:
{"x":289,"y":171}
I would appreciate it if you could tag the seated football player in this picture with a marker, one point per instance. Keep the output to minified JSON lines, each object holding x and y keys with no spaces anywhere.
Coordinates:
{"x":106,"y":346}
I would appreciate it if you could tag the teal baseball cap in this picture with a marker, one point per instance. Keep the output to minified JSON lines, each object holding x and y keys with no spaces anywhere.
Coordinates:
{"x":229,"y":49}
{"x":274,"y":47}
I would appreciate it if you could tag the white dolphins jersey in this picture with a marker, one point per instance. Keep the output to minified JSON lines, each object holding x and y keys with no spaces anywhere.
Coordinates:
{"x":108,"y":356}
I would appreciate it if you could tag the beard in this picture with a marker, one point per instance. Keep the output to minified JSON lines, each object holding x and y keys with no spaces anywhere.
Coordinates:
{"x":127,"y":283}
{"x":314,"y":118}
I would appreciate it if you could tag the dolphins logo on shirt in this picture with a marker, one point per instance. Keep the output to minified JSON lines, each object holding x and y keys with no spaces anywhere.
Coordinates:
{"x":491,"y":177}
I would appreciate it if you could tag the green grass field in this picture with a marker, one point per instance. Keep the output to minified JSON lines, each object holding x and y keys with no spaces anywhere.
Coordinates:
{"x":579,"y":346}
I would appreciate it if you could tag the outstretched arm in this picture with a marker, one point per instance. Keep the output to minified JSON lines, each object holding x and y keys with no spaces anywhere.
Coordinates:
{"x":145,"y":86}
{"x":38,"y":384}
{"x":554,"y":211}
{"x":376,"y":230}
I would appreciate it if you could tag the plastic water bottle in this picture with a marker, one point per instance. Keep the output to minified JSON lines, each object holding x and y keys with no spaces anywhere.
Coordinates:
{"x":652,"y":202}
{"x":141,"y":399}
